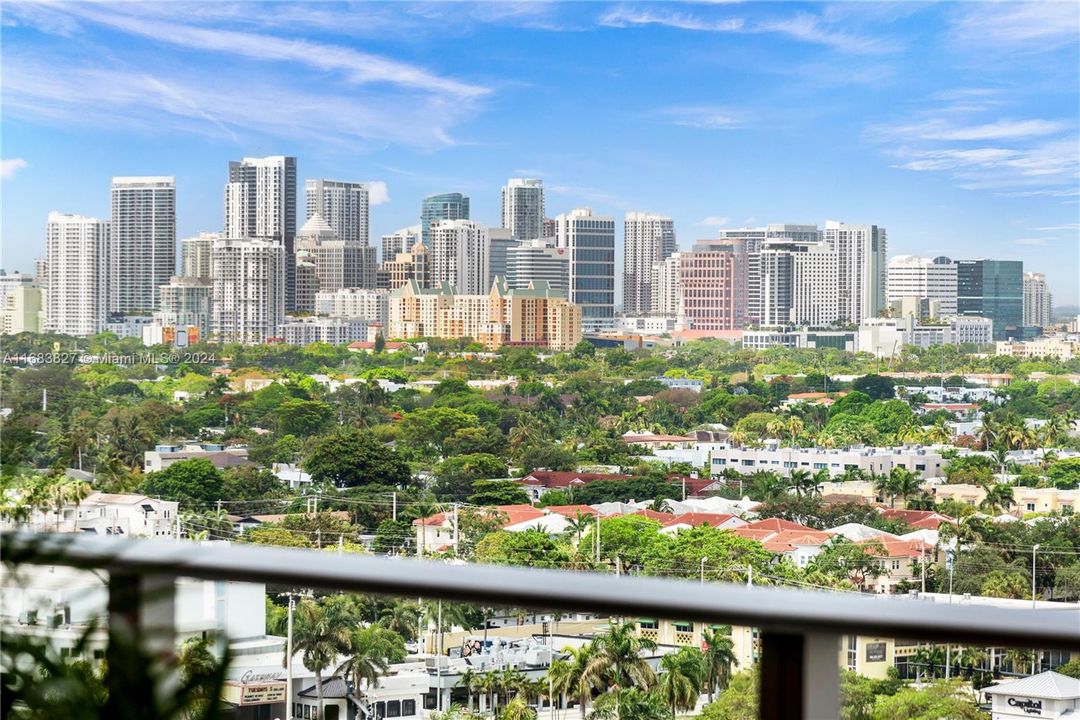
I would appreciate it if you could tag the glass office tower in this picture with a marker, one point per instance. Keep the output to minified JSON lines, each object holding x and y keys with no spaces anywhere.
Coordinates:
{"x":448,"y":206}
{"x":992,"y":289}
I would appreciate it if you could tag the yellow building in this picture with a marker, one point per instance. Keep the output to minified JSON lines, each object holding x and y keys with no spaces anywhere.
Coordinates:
{"x":1026,"y":499}
{"x":537,"y":316}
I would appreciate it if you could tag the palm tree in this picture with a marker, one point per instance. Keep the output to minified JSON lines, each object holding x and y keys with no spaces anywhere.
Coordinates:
{"x":682,"y":676}
{"x":403,"y":617}
{"x":719,"y":658}
{"x":885,"y":486}
{"x":369,"y":650}
{"x":802,"y":482}
{"x":322,"y":633}
{"x":971,"y":659}
{"x":853,"y":473}
{"x":617,"y":662}
{"x":517,"y":709}
{"x":794,"y":428}
{"x":904,"y":483}
{"x":469,"y":680}
{"x":929,"y":657}
{"x":998,"y":496}
{"x":1020,"y":659}
{"x":939,"y":433}
{"x":580,"y":683}
{"x":560,"y":677}
{"x":578,"y":523}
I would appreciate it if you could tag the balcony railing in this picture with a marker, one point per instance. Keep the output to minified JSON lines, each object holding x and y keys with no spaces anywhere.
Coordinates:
{"x":800,"y":630}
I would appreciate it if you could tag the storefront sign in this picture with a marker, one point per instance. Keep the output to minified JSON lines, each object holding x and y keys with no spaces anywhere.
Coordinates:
{"x":1031,"y":707}
{"x":875,"y":652}
{"x":259,"y":693}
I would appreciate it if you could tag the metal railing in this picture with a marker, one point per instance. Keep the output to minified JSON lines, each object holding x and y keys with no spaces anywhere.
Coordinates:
{"x":800,"y":629}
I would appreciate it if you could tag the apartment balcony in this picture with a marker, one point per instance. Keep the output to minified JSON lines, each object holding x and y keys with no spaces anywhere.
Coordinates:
{"x":800,"y":631}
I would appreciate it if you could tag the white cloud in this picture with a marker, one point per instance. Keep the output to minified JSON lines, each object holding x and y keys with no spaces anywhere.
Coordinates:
{"x":1054,"y":228}
{"x":804,"y":27}
{"x":1036,"y":26}
{"x":715,"y":221}
{"x":702,"y":117}
{"x":1032,"y":241}
{"x":377,"y":192}
{"x":10,"y":166}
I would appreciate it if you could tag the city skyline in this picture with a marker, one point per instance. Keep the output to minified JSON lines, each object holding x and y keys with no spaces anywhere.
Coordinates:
{"x":756,"y":113}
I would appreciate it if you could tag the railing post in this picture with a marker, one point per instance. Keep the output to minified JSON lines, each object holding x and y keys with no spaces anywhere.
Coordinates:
{"x":800,"y":676}
{"x":142,"y":644}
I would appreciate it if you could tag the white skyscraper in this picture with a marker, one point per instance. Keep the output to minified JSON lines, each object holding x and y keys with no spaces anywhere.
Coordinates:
{"x":648,"y":239}
{"x":798,"y":283}
{"x":535,"y":260}
{"x":1037,"y":300}
{"x":459,"y":256}
{"x":77,"y":251}
{"x":142,"y":241}
{"x":753,"y":238}
{"x":909,"y":276}
{"x":260,"y":204}
{"x":398,"y":242}
{"x":590,"y":239}
{"x":197,"y":254}
{"x":249,"y":292}
{"x":523,"y":208}
{"x":665,"y":287}
{"x":500,"y":242}
{"x":343,"y":205}
{"x":860,"y":251}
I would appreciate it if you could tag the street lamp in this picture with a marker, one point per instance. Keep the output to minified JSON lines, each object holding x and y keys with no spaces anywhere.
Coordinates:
{"x":1034,"y":549}
{"x":703,"y":561}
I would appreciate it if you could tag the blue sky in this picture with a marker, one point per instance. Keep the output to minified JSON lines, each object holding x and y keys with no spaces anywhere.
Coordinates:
{"x":955,"y":125}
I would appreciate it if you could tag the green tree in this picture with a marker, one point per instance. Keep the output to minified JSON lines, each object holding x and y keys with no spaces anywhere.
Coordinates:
{"x":719,"y":658}
{"x":497,"y":492}
{"x":370,"y":651}
{"x":1065,"y":474}
{"x":681,"y":678}
{"x":627,"y":537}
{"x":617,"y":663}
{"x":429,"y":428}
{"x":302,"y":417}
{"x":322,"y":631}
{"x":194,"y":482}
{"x":531,"y":548}
{"x":351,"y":458}
{"x":876,"y":387}
{"x":393,"y":536}
{"x":941,"y":699}
{"x":740,"y":701}
{"x":455,"y":476}
{"x":1005,"y":584}
{"x":843,"y":559}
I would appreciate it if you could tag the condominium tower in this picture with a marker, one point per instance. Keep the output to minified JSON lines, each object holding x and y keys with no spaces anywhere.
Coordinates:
{"x":860,"y":251}
{"x":459,"y":256}
{"x":142,"y":241}
{"x":523,"y":208}
{"x":911,"y":277}
{"x":992,"y":289}
{"x":648,"y":239}
{"x":77,"y":252}
{"x":590,"y":240}
{"x":798,"y":283}
{"x":249,"y":292}
{"x":711,"y":286}
{"x":197,"y":254}
{"x":448,"y":206}
{"x":344,"y":207}
{"x":1037,"y":300}
{"x":398,"y":242}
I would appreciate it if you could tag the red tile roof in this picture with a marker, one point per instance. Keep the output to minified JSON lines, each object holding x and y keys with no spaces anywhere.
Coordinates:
{"x":559,"y":479}
{"x":654,"y":515}
{"x":899,"y":548}
{"x":779,"y":525}
{"x":752,"y":533}
{"x":515,"y":514}
{"x":917,"y":518}
{"x":571,"y":511}
{"x":787,"y":540}
{"x":697,"y":519}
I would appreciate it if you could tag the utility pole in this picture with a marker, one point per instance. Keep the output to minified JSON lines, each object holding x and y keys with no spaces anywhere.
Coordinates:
{"x":749,"y":575}
{"x":618,"y":566}
{"x":394,"y":505}
{"x":457,"y":535}
{"x":922,"y":564}
{"x":288,"y":661}
{"x":597,"y":538}
{"x":704,"y":560}
{"x":1034,"y":549}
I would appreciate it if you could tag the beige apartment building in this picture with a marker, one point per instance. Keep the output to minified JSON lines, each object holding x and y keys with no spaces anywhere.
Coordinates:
{"x":1027,"y":499}
{"x":537,"y":316}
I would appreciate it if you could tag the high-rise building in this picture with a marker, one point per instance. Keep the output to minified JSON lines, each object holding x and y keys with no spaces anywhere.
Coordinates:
{"x":590,"y":239}
{"x":398,"y":242}
{"x":1037,"y":300}
{"x":798,"y":283}
{"x":666,"y":293}
{"x":372,"y":305}
{"x":186,"y":303}
{"x":992,"y":289}
{"x":344,"y":207}
{"x":260,"y":204}
{"x":860,"y":251}
{"x":249,"y":291}
{"x":459,"y":256}
{"x":412,"y":265}
{"x":753,"y":238}
{"x":77,"y":256}
{"x":534,"y":261}
{"x":500,"y":242}
{"x":21,"y":310}
{"x":142,"y":241}
{"x":712,"y":286}
{"x":908,"y":276}
{"x":648,"y":239}
{"x":523,"y":208}
{"x":197,"y":254}
{"x":448,"y":206}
